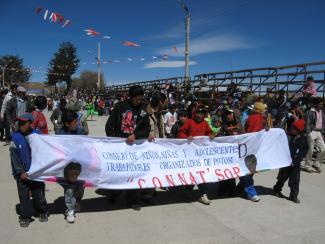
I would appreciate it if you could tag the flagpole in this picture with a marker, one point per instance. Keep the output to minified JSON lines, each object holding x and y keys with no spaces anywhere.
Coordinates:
{"x":98,"y":67}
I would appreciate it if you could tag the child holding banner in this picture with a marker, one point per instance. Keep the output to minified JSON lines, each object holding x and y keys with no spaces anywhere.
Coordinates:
{"x":70,"y":124}
{"x":20,"y":154}
{"x":298,"y":149}
{"x":73,"y":189}
{"x":255,"y":123}
{"x":197,"y":127}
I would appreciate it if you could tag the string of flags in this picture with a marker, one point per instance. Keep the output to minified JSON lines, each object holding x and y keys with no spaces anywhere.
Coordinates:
{"x":53,"y":17}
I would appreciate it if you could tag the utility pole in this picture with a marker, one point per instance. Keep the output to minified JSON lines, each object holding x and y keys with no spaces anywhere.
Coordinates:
{"x":3,"y":76}
{"x":187,"y":45}
{"x":98,"y":67}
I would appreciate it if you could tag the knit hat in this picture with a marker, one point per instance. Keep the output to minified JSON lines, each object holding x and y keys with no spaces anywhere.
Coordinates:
{"x":299,"y":125}
{"x":25,"y":117}
{"x":259,"y":107}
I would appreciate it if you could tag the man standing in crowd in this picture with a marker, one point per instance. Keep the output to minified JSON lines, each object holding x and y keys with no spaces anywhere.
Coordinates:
{"x":298,"y":149}
{"x":56,"y":117}
{"x":315,"y":125}
{"x":3,"y":116}
{"x":129,"y":119}
{"x":3,"y":93}
{"x":17,"y":106}
{"x":155,"y":111}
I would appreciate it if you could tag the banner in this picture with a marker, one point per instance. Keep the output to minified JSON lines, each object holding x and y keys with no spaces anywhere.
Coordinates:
{"x":110,"y":163}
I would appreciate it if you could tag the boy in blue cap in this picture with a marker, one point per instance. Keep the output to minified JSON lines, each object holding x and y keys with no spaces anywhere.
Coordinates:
{"x":20,"y":155}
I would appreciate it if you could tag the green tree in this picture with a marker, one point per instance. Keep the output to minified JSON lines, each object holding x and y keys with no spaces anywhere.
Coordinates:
{"x":63,"y":65}
{"x":88,"y":80}
{"x":14,"y":69}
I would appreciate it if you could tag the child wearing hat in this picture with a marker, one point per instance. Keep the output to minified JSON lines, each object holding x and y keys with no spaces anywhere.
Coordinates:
{"x":20,"y":155}
{"x":298,"y":149}
{"x":256,"y":122}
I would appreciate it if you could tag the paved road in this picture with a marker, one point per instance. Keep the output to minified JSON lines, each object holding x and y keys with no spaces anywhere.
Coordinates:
{"x":171,"y":219}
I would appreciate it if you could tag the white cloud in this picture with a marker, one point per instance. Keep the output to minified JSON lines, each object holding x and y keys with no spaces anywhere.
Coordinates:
{"x":208,"y":44}
{"x":167,"y":64}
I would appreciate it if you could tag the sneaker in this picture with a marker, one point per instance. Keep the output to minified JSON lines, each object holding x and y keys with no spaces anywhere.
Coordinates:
{"x":136,"y":206}
{"x":43,"y":217}
{"x":204,"y":199}
{"x":24,"y":222}
{"x":70,"y":216}
{"x":255,"y":199}
{"x":278,"y":194}
{"x":307,"y":169}
{"x":6,"y":143}
{"x":294,"y":199}
{"x":318,"y":170}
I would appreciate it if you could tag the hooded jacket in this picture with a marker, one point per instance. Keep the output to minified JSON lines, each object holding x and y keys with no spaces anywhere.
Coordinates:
{"x":126,"y":120}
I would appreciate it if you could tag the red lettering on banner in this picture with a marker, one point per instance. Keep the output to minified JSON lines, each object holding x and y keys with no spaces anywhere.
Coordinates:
{"x":226,"y":174}
{"x":236,"y":171}
{"x":140,"y":181}
{"x":170,"y":180}
{"x":154,"y":179}
{"x":219,"y":174}
{"x":192,"y":179}
{"x":182,"y":179}
{"x":201,"y":173}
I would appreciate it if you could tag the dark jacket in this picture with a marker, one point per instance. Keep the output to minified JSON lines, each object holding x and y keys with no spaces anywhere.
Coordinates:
{"x":20,"y":154}
{"x":126,"y":120}
{"x":62,"y":131}
{"x":310,"y":118}
{"x":175,"y":129}
{"x":298,"y":148}
{"x":11,"y":109}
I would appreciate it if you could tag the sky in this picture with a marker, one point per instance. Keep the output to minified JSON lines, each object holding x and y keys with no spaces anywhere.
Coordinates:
{"x":224,"y":35}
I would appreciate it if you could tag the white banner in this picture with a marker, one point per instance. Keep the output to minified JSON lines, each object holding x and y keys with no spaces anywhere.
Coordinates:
{"x":112,"y":164}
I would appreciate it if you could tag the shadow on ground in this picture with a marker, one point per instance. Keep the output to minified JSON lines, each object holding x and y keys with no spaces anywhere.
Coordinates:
{"x":161,"y":197}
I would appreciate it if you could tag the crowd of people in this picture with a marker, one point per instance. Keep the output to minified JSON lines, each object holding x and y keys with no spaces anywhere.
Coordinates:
{"x":161,"y":113}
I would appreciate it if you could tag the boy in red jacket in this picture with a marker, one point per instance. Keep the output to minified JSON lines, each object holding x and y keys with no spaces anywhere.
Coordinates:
{"x":197,"y":127}
{"x":255,"y":123}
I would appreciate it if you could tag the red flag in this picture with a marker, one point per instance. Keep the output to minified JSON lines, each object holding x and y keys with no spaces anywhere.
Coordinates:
{"x":130,"y":44}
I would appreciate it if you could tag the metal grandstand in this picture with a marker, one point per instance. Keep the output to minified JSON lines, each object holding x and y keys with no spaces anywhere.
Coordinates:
{"x":290,"y":78}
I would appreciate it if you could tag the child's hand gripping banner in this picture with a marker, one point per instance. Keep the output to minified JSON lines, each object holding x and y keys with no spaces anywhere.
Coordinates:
{"x":112,"y":164}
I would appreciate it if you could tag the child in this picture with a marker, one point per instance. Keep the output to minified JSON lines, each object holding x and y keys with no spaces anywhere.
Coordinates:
{"x":73,"y":190}
{"x":39,"y":123}
{"x":255,"y":122}
{"x":197,"y":127}
{"x":20,"y":154}
{"x":70,"y":124}
{"x":298,"y":149}
{"x":181,"y":119}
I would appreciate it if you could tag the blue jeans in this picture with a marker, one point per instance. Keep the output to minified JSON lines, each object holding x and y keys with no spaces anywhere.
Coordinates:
{"x":247,"y":182}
